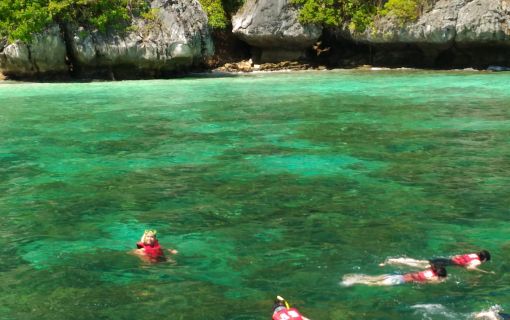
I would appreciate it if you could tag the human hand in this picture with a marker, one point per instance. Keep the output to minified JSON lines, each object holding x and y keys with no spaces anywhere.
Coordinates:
{"x":483,"y":271}
{"x":173,"y":251}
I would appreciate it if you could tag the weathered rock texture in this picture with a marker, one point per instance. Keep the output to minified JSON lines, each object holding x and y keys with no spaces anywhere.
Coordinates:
{"x":484,"y":21}
{"x":46,"y":54}
{"x":272,"y":28}
{"x":450,"y":33}
{"x":437,"y":26}
{"x":176,"y":39}
{"x":448,"y":21}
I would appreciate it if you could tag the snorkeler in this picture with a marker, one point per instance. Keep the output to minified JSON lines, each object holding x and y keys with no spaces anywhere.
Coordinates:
{"x":148,"y":246}
{"x":283,"y":311}
{"x":469,"y":261}
{"x":434,"y":274}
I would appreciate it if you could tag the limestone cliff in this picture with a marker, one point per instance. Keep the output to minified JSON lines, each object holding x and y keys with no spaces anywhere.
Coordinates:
{"x":46,"y":54}
{"x":176,"y":38}
{"x":447,"y":22}
{"x":272,"y":28}
{"x":448,"y":34}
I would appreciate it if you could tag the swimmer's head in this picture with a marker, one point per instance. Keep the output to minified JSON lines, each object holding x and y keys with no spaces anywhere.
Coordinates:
{"x":484,"y":255}
{"x":280,"y":302}
{"x":149,"y":236}
{"x":440,"y":271}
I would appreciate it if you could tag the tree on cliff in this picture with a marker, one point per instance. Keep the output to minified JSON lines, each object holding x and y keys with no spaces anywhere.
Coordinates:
{"x":359,"y":13}
{"x":219,"y":12}
{"x":20,"y":19}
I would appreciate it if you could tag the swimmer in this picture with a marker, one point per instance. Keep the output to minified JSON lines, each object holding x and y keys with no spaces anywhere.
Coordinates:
{"x":469,"y":261}
{"x":494,"y":313}
{"x":431,"y":275}
{"x":149,"y":247}
{"x":283,"y":311}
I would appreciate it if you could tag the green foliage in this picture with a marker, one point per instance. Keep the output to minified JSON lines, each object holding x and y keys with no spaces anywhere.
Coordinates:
{"x":219,"y":12}
{"x":150,"y":15}
{"x":359,"y":13}
{"x":215,"y":13}
{"x":19,"y":19}
{"x":327,"y":12}
{"x":361,"y":16}
{"x":403,"y":10}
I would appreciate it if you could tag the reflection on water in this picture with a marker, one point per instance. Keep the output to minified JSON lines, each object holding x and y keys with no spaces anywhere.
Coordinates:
{"x":266,"y":184}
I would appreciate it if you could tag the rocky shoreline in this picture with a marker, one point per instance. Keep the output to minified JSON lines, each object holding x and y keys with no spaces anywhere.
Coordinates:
{"x":244,"y":67}
{"x":247,"y":66}
{"x":266,"y":35}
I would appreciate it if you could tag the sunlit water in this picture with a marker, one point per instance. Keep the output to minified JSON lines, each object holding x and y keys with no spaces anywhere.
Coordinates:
{"x":266,"y":184}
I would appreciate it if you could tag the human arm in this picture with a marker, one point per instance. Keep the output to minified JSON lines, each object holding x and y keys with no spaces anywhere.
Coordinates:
{"x":138,"y":252}
{"x":173,"y":251}
{"x":474,"y":266}
{"x":407,"y":262}
{"x":480,"y":270}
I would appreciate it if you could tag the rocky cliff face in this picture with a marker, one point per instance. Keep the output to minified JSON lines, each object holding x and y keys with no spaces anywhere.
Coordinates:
{"x":450,"y":33}
{"x":45,"y":55}
{"x":272,"y":28}
{"x":177,"y":38}
{"x":484,"y":21}
{"x":447,"y":22}
{"x":437,"y":26}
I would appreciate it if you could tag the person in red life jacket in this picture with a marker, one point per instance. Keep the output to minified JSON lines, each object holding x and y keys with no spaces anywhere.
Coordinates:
{"x":283,"y":311}
{"x":149,"y":247}
{"x":434,"y":274}
{"x":470,"y":261}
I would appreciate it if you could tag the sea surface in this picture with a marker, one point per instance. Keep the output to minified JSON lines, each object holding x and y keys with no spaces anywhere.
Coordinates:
{"x":266,"y":184}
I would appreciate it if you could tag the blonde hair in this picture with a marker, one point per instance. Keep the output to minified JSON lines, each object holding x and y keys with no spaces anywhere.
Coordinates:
{"x":148,"y":232}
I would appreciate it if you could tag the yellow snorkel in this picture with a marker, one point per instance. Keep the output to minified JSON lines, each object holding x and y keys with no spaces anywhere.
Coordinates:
{"x":280,"y":298}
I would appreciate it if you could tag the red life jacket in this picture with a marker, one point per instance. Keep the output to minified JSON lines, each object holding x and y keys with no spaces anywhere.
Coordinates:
{"x":465,"y":259}
{"x":422,"y":276}
{"x":154,"y":251}
{"x":287,"y":314}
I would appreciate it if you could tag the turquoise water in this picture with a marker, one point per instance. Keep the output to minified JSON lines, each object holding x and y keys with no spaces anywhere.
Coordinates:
{"x":266,"y":184}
